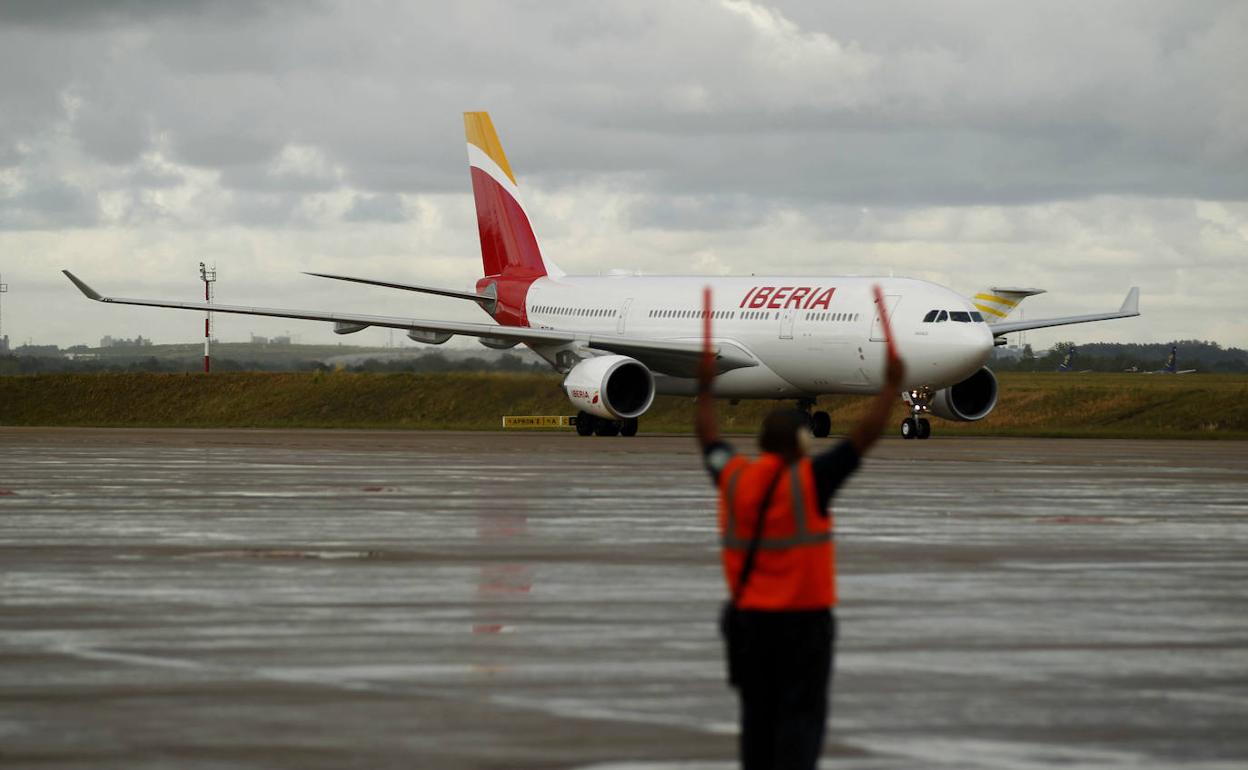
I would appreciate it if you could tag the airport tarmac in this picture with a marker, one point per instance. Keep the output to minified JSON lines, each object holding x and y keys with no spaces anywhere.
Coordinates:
{"x":326,"y":599}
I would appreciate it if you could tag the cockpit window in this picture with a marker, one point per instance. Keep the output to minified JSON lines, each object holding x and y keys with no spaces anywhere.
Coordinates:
{"x":942,"y":317}
{"x":976,"y":317}
{"x":931,"y":316}
{"x":960,"y":316}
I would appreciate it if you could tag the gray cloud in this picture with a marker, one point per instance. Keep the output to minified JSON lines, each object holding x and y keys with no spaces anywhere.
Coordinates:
{"x":376,"y":208}
{"x":899,"y":104}
{"x":48,"y":203}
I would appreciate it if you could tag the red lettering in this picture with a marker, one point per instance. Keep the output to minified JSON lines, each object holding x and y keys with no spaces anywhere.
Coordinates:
{"x":747,"y":296}
{"x":798,"y":295}
{"x":778,"y":296}
{"x":824,"y":298}
{"x":760,"y":298}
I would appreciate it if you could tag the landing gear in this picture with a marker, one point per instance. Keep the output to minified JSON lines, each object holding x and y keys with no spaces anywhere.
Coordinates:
{"x":820,"y":422}
{"x":916,"y":425}
{"x":592,"y":425}
{"x":919,"y":428}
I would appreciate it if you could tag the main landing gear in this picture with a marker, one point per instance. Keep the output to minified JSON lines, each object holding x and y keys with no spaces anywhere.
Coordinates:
{"x":592,"y":425}
{"x":820,"y":422}
{"x":916,"y":425}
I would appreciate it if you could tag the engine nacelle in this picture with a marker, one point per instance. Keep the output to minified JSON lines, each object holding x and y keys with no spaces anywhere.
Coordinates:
{"x":613,"y":387}
{"x":428,"y":337}
{"x":970,"y":400}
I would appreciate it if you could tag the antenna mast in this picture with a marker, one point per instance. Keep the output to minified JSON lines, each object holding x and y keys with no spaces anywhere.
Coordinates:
{"x":209,"y":276}
{"x":4,"y":287}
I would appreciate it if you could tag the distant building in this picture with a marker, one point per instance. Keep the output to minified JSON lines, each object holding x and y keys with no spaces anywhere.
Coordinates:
{"x":4,"y":344}
{"x":280,"y":340}
{"x":1008,"y":353}
{"x":38,"y":350}
{"x":138,"y":342}
{"x":257,"y":340}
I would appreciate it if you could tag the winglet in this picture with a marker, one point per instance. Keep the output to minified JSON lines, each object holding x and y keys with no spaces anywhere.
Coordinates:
{"x":1132,"y":303}
{"x":82,"y":287}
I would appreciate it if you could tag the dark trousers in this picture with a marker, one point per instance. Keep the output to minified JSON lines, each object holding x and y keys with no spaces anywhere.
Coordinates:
{"x":783,"y":680}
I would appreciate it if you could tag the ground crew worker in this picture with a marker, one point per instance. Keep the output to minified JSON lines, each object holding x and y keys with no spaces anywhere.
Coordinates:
{"x":779,"y":626}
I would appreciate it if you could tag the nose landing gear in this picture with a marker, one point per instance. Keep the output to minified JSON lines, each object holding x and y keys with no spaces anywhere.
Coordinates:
{"x":912,"y":427}
{"x":916,"y":425}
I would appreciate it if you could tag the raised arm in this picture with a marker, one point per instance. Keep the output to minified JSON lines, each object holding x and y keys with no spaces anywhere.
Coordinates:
{"x":871,"y":425}
{"x":704,"y":416}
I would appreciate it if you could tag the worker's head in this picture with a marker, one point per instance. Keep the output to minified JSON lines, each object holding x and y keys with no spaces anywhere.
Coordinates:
{"x":785,"y":432}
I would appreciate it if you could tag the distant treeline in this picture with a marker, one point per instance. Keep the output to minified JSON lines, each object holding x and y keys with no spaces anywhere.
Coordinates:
{"x":431,"y":362}
{"x":1118,"y":357}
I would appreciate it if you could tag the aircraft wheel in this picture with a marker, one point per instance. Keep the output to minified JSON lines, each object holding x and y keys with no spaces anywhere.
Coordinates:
{"x":925,"y":428}
{"x":908,"y":428}
{"x":820,"y":424}
{"x":607,"y":428}
{"x":629,"y":428}
{"x":585,"y":424}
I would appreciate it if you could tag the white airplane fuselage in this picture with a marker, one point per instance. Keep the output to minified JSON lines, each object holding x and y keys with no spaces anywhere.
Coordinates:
{"x":811,"y":335}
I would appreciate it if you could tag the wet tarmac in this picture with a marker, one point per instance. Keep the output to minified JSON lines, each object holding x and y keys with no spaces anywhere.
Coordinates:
{"x":315,"y":599}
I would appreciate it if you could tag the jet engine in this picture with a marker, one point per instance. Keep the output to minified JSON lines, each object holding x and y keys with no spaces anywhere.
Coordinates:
{"x":611,"y":387}
{"x":970,"y":400}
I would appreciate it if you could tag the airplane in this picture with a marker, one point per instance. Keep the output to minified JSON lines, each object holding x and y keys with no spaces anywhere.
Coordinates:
{"x":1171,"y":367}
{"x":622,"y":338}
{"x":1068,"y":362}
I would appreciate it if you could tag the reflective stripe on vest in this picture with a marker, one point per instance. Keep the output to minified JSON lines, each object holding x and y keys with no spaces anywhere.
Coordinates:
{"x":801,"y":534}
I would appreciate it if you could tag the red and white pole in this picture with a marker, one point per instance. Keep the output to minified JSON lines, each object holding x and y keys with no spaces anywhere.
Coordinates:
{"x":208,"y":276}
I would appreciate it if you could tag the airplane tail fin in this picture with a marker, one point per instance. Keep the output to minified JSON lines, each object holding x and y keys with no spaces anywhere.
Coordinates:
{"x":998,"y":302}
{"x":1068,"y":361}
{"x":508,"y":245}
{"x":1172,"y":361}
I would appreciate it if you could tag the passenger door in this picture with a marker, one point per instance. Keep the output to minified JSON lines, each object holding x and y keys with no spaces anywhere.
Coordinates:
{"x":786,"y":323}
{"x":877,"y":329}
{"x":620,"y":324}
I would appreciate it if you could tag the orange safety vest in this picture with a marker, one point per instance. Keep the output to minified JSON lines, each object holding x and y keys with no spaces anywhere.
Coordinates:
{"x":795,"y":567}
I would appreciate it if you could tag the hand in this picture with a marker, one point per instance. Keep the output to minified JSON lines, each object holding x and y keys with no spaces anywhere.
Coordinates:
{"x":894,"y":373}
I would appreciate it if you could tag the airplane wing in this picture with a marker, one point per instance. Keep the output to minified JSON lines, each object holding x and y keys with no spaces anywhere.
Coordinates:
{"x":1130,"y":308}
{"x":675,"y":358}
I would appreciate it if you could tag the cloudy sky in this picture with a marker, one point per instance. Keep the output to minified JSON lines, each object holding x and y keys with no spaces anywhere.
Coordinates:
{"x":1073,"y":146}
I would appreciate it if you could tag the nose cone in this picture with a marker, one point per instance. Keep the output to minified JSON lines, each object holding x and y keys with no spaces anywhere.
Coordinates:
{"x":948,"y":354}
{"x":974,"y":346}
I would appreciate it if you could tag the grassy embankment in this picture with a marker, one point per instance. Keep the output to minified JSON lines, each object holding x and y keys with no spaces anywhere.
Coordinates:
{"x":1078,"y":405}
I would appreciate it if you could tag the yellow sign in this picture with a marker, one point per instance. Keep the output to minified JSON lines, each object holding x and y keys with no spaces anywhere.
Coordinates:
{"x":537,"y":421}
